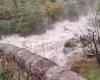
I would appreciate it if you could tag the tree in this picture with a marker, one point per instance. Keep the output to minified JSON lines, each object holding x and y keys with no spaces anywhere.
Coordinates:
{"x":91,"y":40}
{"x":15,"y":2}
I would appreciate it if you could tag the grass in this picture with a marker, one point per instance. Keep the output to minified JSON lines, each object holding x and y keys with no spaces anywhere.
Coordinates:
{"x":88,"y":68}
{"x":6,"y":75}
{"x":92,"y":74}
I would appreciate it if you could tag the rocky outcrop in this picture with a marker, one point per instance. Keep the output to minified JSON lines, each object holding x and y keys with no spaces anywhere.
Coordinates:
{"x":71,"y":45}
{"x":26,"y":65}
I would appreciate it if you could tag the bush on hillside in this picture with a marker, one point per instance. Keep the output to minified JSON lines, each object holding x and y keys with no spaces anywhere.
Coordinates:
{"x":72,"y":9}
{"x":53,"y":10}
{"x":98,"y":6}
{"x":7,"y":11}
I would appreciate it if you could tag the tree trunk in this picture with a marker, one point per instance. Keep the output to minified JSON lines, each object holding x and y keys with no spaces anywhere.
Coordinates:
{"x":98,"y":60}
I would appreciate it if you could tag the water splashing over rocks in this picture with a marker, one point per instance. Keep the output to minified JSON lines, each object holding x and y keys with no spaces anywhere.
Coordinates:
{"x":51,"y":44}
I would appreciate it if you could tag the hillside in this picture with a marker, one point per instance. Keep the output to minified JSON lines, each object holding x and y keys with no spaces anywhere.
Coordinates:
{"x":50,"y":28}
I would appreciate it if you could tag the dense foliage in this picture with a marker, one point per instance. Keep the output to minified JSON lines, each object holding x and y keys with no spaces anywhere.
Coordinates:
{"x":24,"y":16}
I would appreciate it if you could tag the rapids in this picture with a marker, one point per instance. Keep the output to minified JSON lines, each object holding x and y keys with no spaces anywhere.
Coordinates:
{"x":51,"y":44}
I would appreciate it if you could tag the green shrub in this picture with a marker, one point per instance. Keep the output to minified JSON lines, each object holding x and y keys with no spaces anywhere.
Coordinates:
{"x":29,"y":15}
{"x":98,"y":6}
{"x":27,"y":19}
{"x":53,"y":0}
{"x":7,"y":11}
{"x":53,"y":9}
{"x":5,"y":74}
{"x":73,"y":8}
{"x":3,"y":28}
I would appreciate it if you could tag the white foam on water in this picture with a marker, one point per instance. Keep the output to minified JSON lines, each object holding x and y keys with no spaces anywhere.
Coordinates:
{"x":50,"y":44}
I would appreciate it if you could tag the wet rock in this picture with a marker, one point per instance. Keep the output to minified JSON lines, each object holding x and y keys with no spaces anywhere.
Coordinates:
{"x":71,"y":45}
{"x":26,"y":65}
{"x":60,"y":73}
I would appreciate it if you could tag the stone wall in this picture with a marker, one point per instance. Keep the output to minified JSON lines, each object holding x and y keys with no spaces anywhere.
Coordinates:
{"x":28,"y":66}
